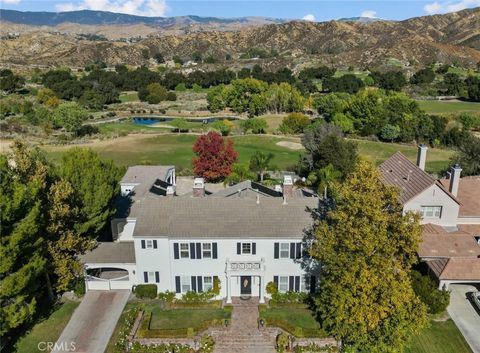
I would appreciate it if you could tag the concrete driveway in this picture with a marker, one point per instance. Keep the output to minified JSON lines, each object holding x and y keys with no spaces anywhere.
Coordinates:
{"x":93,"y":322}
{"x":464,"y":315}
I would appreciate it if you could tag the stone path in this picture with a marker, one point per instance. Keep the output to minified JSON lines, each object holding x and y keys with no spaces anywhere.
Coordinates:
{"x":243,"y":336}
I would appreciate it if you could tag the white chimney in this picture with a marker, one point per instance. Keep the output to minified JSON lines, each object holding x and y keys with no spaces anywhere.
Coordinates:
{"x":198,"y":187}
{"x":422,"y":156}
{"x":287,"y":186}
{"x":170,"y":191}
{"x":455,"y":179}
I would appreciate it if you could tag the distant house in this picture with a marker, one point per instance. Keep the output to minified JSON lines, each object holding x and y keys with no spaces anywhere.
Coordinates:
{"x":450,"y":210}
{"x":245,"y":235}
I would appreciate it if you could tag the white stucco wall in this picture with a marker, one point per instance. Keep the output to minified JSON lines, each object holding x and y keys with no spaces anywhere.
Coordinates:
{"x":162,"y":260}
{"x":435,"y":196}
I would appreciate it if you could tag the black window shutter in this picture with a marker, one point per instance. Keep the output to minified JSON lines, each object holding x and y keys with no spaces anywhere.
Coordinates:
{"x":154,"y":244}
{"x":157,"y":277}
{"x":194,"y":283}
{"x":192,"y":250}
{"x":298,"y":254}
{"x":200,"y":283}
{"x":239,"y":248}
{"x":254,"y":248}
{"x":297,"y":283}
{"x":276,"y":250}
{"x":143,"y":244}
{"x":275,"y":280}
{"x":176,"y":254}
{"x":214,"y":251}
{"x":313,"y":281}
{"x":178,"y":289}
{"x":291,"y":283}
{"x":199,"y":250}
{"x":292,"y":250}
{"x":145,"y":277}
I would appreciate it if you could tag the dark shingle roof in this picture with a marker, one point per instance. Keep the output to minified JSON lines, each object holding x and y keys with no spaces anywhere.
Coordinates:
{"x":223,"y":217}
{"x":110,"y":252}
{"x":408,"y":177}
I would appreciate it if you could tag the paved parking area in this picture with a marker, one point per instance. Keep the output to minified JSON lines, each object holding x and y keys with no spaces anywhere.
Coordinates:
{"x":464,"y":315}
{"x":93,"y":322}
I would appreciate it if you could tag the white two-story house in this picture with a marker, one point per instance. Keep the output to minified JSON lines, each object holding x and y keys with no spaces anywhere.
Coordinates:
{"x":246,"y":235}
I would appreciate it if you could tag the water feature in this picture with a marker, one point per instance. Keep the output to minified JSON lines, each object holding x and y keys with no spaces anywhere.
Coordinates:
{"x":153,"y":120}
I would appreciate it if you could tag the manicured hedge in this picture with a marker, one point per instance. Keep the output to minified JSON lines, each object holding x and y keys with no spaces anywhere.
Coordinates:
{"x":146,"y":291}
{"x":426,"y":289}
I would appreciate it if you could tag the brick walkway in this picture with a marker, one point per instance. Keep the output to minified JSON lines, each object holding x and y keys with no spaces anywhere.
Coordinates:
{"x":243,"y":335}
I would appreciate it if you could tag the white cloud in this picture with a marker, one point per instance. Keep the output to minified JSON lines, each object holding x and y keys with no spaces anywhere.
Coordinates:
{"x":445,"y":7}
{"x":369,"y":14}
{"x":132,"y":7}
{"x":309,"y":17}
{"x":10,"y":2}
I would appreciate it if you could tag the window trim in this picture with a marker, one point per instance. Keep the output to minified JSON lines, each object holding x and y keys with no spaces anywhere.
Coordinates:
{"x":207,"y":287}
{"x":434,"y":210}
{"x":280,"y":290}
{"x":208,"y":251}
{"x":149,"y":244}
{"x":184,"y":251}
{"x":151,"y":277}
{"x":188,"y":283}
{"x":280,"y":250}
{"x":249,"y":249}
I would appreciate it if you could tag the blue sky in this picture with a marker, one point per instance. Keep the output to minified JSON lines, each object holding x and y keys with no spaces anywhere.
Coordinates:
{"x":317,"y":10}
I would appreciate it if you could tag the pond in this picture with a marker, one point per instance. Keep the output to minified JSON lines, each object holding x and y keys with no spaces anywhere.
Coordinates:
{"x":153,"y":120}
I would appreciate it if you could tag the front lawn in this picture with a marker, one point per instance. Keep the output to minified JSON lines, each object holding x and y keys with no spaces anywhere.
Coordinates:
{"x":296,"y":319}
{"x":184,"y":318}
{"x":440,"y":337}
{"x":48,"y":330}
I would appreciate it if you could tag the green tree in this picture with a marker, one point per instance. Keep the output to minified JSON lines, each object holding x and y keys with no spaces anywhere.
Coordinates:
{"x":255,"y":125}
{"x":240,"y":172}
{"x":468,"y":155}
{"x":9,"y":82}
{"x":423,"y":76}
{"x":260,"y":163}
{"x":180,"y":124}
{"x":327,"y":176}
{"x":96,"y":185}
{"x":91,"y":99}
{"x":69,"y":116}
{"x":366,"y":246}
{"x":23,"y":264}
{"x":294,"y":123}
{"x":344,"y":122}
{"x":390,"y":132}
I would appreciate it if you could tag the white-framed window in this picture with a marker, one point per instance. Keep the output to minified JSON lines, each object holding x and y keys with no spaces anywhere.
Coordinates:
{"x":284,"y":250}
{"x":283,"y":284}
{"x":186,"y":283}
{"x":207,"y":250}
{"x":431,"y":211}
{"x":184,"y":251}
{"x":151,"y":277}
{"x":207,"y":283}
{"x":149,"y":244}
{"x":246,"y":248}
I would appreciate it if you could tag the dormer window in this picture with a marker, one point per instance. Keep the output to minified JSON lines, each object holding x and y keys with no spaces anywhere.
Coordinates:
{"x":431,"y":211}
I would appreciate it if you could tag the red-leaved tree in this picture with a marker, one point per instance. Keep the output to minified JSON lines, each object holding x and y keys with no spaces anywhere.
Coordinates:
{"x":215,"y":157}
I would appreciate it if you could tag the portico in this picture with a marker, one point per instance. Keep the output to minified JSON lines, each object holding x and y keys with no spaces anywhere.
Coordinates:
{"x":245,"y":278}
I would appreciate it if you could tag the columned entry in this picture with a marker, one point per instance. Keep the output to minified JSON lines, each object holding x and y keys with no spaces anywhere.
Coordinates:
{"x":245,"y":278}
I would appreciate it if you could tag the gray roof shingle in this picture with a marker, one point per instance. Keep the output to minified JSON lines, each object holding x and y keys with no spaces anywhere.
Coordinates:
{"x":110,"y":252}
{"x":223,"y":217}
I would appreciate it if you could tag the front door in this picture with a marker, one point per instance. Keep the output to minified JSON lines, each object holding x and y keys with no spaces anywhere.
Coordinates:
{"x":245,"y":285}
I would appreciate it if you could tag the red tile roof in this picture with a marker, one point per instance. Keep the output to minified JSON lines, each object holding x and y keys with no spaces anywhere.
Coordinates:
{"x":468,"y":195}
{"x":460,"y":269}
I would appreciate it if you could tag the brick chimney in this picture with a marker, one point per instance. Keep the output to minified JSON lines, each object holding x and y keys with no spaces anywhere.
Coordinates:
{"x":455,"y":179}
{"x":287,"y":186}
{"x":422,"y":156}
{"x":198,"y":187}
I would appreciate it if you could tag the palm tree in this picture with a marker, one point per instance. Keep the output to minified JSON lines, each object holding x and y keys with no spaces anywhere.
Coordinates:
{"x":327,"y":175}
{"x":260,"y":163}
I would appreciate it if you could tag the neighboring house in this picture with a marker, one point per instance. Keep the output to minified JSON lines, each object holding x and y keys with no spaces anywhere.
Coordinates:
{"x":246,"y":235}
{"x":450,"y":210}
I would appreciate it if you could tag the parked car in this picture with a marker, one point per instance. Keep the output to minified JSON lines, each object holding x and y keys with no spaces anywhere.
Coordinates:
{"x":476,"y":299}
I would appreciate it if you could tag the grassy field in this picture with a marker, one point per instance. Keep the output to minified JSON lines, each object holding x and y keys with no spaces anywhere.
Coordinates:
{"x":448,"y":107}
{"x":296,"y":317}
{"x":126,"y":97}
{"x":440,"y":337}
{"x":184,"y":318}
{"x":48,"y":330}
{"x":177,"y":150}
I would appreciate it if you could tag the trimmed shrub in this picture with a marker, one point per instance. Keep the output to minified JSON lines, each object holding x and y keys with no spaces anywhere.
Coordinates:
{"x":294,"y":123}
{"x":79,"y":287}
{"x":272,"y":288}
{"x":146,"y":291}
{"x":216,"y":285}
{"x":167,"y":296}
{"x":426,"y":289}
{"x":194,"y":297}
{"x":290,"y":297}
